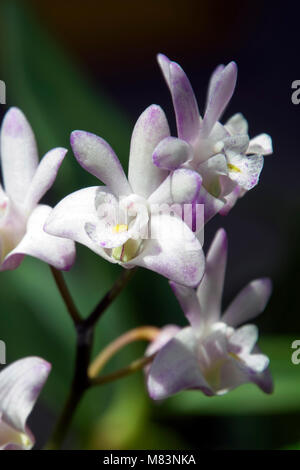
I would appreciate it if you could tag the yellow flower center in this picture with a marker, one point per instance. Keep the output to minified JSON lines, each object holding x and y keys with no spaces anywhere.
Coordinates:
{"x":127,"y":251}
{"x":233,"y":168}
{"x":119,"y":228}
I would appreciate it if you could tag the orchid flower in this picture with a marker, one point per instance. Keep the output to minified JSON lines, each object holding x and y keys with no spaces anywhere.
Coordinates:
{"x":214,"y":354}
{"x":96,"y":216}
{"x":25,"y":183}
{"x":222,"y":154}
{"x":20,"y":385}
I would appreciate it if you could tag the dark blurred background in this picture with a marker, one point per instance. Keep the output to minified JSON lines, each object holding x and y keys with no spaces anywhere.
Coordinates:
{"x":92,"y":65}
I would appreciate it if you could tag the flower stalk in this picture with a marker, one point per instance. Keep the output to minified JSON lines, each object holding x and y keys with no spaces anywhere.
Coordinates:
{"x":148,"y":333}
{"x":84,"y":343}
{"x":66,"y":296}
{"x":136,"y":365}
{"x":79,"y":385}
{"x":109,"y":297}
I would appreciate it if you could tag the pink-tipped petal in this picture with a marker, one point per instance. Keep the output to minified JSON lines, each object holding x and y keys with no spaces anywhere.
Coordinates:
{"x":171,"y":235}
{"x":20,"y":385}
{"x":151,"y":127}
{"x":171,"y":153}
{"x":250,"y":167}
{"x":184,"y":101}
{"x":264,"y":379}
{"x":44,"y":176}
{"x":249,"y":303}
{"x":56,"y":251}
{"x":19,"y":156}
{"x":12,"y":262}
{"x":97,"y":157}
{"x":210,"y":289}
{"x":164,"y":64}
{"x":220,"y":94}
{"x":185,"y":104}
{"x":213,"y":80}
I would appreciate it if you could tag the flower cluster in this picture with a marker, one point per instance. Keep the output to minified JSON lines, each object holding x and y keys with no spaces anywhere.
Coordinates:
{"x":154,"y":218}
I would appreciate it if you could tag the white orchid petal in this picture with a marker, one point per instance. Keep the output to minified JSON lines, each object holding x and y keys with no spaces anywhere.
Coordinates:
{"x":19,"y":156}
{"x":63,"y":223}
{"x":171,"y":235}
{"x":261,"y":145}
{"x":237,"y":124}
{"x":249,"y":303}
{"x":163,"y":337}
{"x":44,"y":176}
{"x":257,"y":362}
{"x":219,"y":95}
{"x":10,"y":439}
{"x":97,"y":157}
{"x":184,"y":101}
{"x":245,"y":169}
{"x":244,"y":338}
{"x":171,"y":153}
{"x":53,"y":250}
{"x":151,"y":127}
{"x":175,"y":368}
{"x":182,"y":186}
{"x":215,"y":76}
{"x":20,"y":385}
{"x":189,"y":303}
{"x":210,"y":289}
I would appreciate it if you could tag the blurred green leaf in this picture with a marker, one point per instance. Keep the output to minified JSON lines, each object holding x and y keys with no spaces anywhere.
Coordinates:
{"x":52,"y":91}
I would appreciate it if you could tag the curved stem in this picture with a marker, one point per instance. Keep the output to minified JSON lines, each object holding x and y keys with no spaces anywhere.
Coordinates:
{"x":133,"y":367}
{"x":118,"y":286}
{"x":67,"y":298}
{"x":147,"y":333}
